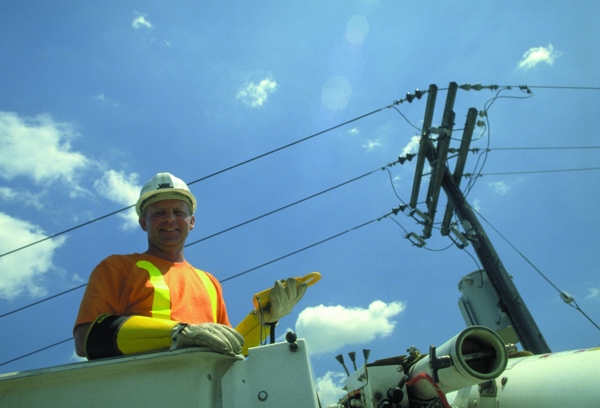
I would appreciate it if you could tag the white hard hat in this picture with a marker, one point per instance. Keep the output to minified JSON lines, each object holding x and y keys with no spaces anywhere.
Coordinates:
{"x":164,"y":186}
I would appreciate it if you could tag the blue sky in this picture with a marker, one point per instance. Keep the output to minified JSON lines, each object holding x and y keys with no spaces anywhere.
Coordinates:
{"x":98,"y":97}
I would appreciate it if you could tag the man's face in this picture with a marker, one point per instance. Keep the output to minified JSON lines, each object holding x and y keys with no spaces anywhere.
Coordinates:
{"x":168,"y":223}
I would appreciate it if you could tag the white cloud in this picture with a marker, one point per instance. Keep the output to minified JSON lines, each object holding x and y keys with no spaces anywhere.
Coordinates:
{"x":328,"y":328}
{"x":537,"y":55}
{"x":23,"y":272}
{"x":500,"y":187}
{"x":256,"y":95}
{"x":354,"y":131}
{"x":329,"y":387}
{"x":140,"y":22}
{"x":77,"y":279}
{"x":102,"y":98}
{"x":412,"y":146}
{"x":121,"y":189}
{"x":38,"y":148}
{"x":11,"y":195}
{"x":594,"y":292}
{"x":371,"y":144}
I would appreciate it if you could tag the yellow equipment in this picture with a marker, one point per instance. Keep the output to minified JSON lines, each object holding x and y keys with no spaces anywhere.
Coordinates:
{"x":251,"y":328}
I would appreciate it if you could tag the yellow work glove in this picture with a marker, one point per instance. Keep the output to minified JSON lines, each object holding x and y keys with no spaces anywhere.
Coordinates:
{"x":218,"y":337}
{"x":283,"y":299}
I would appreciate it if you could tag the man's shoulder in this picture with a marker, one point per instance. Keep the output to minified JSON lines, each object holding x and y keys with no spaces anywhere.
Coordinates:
{"x":122,"y":259}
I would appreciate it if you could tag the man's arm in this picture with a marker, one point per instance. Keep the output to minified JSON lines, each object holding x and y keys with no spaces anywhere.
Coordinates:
{"x":79,"y":334}
{"x":136,"y":334}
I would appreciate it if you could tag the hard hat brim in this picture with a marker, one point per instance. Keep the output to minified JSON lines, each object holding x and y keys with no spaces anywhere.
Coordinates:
{"x":165,"y":194}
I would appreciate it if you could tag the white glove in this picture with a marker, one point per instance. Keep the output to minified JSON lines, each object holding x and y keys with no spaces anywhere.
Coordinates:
{"x":218,"y":337}
{"x":283,"y":299}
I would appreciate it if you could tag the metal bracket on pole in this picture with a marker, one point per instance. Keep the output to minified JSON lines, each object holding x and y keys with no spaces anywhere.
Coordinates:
{"x":431,"y":96}
{"x":439,"y":164}
{"x":460,"y":164}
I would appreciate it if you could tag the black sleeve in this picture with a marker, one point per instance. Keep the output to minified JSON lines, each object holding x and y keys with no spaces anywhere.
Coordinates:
{"x":101,"y":338}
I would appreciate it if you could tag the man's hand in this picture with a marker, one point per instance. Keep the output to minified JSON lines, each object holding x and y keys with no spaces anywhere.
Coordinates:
{"x":218,"y":337}
{"x":283,"y":299}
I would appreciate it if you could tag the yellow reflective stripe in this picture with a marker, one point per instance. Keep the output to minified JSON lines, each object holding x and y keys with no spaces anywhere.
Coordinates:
{"x":212,"y":291}
{"x":161,"y":304}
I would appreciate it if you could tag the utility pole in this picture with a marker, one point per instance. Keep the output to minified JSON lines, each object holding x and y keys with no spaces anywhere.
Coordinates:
{"x":511,"y":302}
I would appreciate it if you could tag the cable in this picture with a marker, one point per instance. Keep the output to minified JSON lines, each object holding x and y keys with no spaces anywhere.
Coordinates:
{"x":586,"y":88}
{"x":537,"y":270}
{"x":438,"y":391}
{"x":36,"y":351}
{"x":393,"y":187}
{"x":221,"y":232}
{"x":205,"y":178}
{"x":237,"y":275}
{"x":43,"y":300}
{"x":284,"y":207}
{"x":305,"y":248}
{"x":67,"y":230}
{"x":487,"y":106}
{"x":400,"y":225}
{"x":491,"y":101}
{"x":545,"y":148}
{"x":530,"y":172}
{"x":406,"y":119}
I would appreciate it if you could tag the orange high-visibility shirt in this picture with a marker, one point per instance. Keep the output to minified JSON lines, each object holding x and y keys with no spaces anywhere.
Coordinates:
{"x":144,"y":285}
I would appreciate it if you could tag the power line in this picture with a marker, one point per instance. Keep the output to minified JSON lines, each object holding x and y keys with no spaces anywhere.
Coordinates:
{"x":36,"y":351}
{"x":287,"y":206}
{"x":43,"y":300}
{"x":225,"y":230}
{"x":576,"y":306}
{"x":580,"y":88}
{"x":308,"y":247}
{"x":209,"y":176}
{"x":523,"y":88}
{"x":530,"y":172}
{"x":233,"y":276}
{"x":544,"y":148}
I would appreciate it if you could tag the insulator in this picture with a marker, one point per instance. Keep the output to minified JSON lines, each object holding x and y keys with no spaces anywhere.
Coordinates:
{"x":566,"y":297}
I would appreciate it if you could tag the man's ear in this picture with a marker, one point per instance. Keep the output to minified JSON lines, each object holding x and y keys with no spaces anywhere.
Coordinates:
{"x":142,"y":222}
{"x":192,"y":222}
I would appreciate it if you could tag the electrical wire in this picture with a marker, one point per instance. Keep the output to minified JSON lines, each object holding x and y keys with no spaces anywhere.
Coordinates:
{"x":305,"y":248}
{"x":36,"y":351}
{"x":237,"y":275}
{"x":394,"y":187}
{"x":406,"y":119}
{"x":206,"y":177}
{"x":43,"y":300}
{"x":576,"y":306}
{"x":223,"y":231}
{"x":546,"y":148}
{"x":438,"y":391}
{"x":530,"y":172}
{"x":284,"y":207}
{"x":487,"y":106}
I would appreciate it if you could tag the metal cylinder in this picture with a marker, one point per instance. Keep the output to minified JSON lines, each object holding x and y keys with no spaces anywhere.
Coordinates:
{"x":477,"y":355}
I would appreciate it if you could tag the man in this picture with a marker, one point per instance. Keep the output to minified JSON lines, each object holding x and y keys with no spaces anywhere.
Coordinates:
{"x":156,"y":300}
